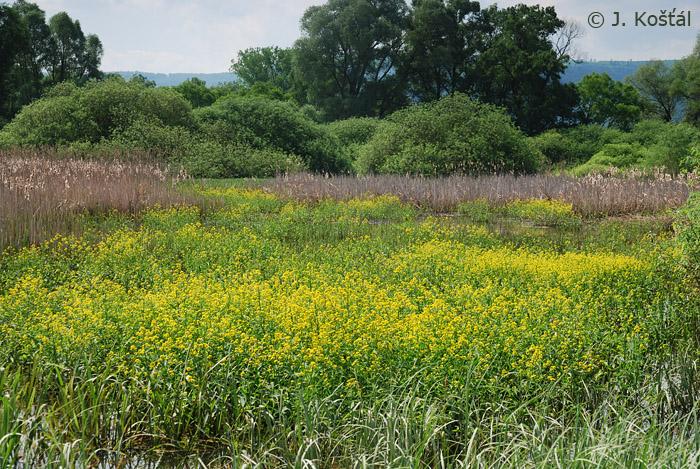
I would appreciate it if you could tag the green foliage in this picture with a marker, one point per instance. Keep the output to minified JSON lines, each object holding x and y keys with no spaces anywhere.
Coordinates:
{"x":354,"y":132}
{"x":439,"y":47}
{"x":264,"y":89}
{"x":574,"y":145}
{"x":478,"y":210}
{"x":202,"y":157}
{"x":454,"y":134}
{"x":196,"y":92}
{"x":94,"y":112}
{"x":12,"y":37}
{"x":618,"y":155}
{"x":35,"y":55}
{"x":607,"y":102}
{"x":270,"y":124}
{"x":71,"y":55}
{"x":271,"y":65}
{"x":516,"y":66}
{"x":686,"y":84}
{"x":687,"y":228}
{"x":557,"y":147}
{"x":347,"y":57}
{"x":653,"y":81}
{"x":651,"y":144}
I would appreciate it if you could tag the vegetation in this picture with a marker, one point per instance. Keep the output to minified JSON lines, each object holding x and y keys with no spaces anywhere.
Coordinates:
{"x":460,"y":305}
{"x":451,"y":135}
{"x":651,"y":144}
{"x":278,"y":331}
{"x":615,"y":193}
{"x":391,"y":95}
{"x":45,"y":194}
{"x":37,"y":55}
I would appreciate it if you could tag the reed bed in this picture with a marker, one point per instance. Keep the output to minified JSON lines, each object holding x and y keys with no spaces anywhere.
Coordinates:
{"x":43,"y":194}
{"x":612,"y":193}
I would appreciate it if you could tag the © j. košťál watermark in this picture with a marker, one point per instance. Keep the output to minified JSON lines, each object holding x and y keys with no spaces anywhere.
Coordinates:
{"x":641,"y":19}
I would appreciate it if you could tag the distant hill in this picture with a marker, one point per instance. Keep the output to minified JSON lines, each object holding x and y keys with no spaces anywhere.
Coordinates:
{"x":174,"y":79}
{"x":617,"y":69}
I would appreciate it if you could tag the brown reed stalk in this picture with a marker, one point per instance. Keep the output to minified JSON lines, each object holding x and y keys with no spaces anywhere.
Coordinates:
{"x":602,"y":194}
{"x":41,"y":194}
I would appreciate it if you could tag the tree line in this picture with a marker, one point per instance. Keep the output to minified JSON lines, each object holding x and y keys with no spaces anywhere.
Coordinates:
{"x":373,"y":57}
{"x":371,"y":86}
{"x":36,"y":55}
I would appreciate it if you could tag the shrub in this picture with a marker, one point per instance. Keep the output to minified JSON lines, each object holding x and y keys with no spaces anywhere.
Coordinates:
{"x":575,"y":145}
{"x":202,"y":157}
{"x":453,"y":134}
{"x":50,"y":121}
{"x":94,"y":112}
{"x":355,"y":130}
{"x":353,"y":133}
{"x":618,"y":155}
{"x":651,"y":144}
{"x":269,"y":124}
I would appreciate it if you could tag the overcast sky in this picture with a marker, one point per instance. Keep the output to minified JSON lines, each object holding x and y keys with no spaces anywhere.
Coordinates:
{"x":202,"y":36}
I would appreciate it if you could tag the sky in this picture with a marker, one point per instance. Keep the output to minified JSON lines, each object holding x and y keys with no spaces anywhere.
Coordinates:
{"x":203,"y":36}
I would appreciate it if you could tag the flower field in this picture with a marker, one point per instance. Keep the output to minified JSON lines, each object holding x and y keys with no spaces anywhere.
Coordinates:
{"x":222,"y":331}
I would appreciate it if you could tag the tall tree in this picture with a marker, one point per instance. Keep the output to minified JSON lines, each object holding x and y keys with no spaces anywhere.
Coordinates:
{"x":264,"y":64}
{"x":653,"y":82}
{"x":518,"y":68}
{"x":33,"y":59}
{"x":608,"y":102}
{"x":347,"y":56}
{"x":439,"y":47}
{"x":686,"y":84}
{"x":72,"y":56}
{"x":12,"y":42}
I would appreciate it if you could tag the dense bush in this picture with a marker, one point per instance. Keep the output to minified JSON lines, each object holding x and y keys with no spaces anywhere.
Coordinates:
{"x":94,"y":112}
{"x":650,"y":144}
{"x":276,"y":125}
{"x":353,"y":133}
{"x":204,"y":157}
{"x":618,"y":155}
{"x":453,"y":134}
{"x":575,"y":145}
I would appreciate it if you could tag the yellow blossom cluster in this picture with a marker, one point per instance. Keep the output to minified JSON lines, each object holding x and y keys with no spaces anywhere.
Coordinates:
{"x":186,"y":300}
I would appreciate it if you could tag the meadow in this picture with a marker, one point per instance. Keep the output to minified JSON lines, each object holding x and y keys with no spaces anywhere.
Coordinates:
{"x":305,"y":321}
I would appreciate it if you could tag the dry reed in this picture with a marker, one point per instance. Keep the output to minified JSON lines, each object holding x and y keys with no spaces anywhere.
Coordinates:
{"x":42,"y":195}
{"x":611,"y":193}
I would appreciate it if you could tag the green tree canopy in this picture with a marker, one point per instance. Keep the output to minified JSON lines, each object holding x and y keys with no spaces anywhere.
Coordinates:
{"x":12,"y":42}
{"x":686,"y":84}
{"x":35,"y":55}
{"x":347,"y":56}
{"x":196,"y":92}
{"x":271,"y":65}
{"x":518,"y":68}
{"x":654,"y":81}
{"x":608,"y":102}
{"x":32,"y":60}
{"x":439,"y":47}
